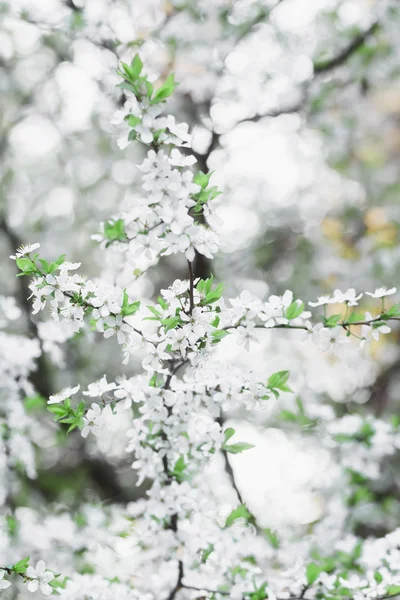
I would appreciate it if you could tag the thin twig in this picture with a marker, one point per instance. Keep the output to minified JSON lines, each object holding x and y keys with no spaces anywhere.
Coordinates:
{"x":191,"y":286}
{"x":341,"y":57}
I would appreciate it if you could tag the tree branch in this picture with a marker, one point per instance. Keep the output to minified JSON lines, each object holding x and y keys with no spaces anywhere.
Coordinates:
{"x":341,"y":57}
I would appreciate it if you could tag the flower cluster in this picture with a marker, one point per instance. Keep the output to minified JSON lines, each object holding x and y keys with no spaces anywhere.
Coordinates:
{"x":178,"y":538}
{"x":164,"y":220}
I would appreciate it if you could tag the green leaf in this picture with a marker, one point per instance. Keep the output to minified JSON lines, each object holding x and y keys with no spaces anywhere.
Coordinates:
{"x":214,"y":295}
{"x":215,"y":322}
{"x":272,"y":538}
{"x":228,"y":434}
{"x":332,"y":321}
{"x":312,"y":573}
{"x":12,"y":525}
{"x":45,"y":265}
{"x":394,"y":311}
{"x":202,"y":179}
{"x":179,"y":470}
{"x":26,"y":265}
{"x":294,"y":310}
{"x":165,"y":90}
{"x":149,"y":89}
{"x":154,"y":311}
{"x":162,"y":303}
{"x":136,"y":66}
{"x":219,"y":335}
{"x":378,"y":577}
{"x":354,"y":318}
{"x":115,"y":230}
{"x":240,"y":512}
{"x":287,"y":415}
{"x":127,"y":86}
{"x":237,"y":448}
{"x":129,"y":308}
{"x":206,"y":553}
{"x":21,"y":566}
{"x":277,"y":381}
{"x":133,"y":121}
{"x":171,"y":323}
{"x":393,"y":590}
{"x":34,"y":403}
{"x":58,"y":410}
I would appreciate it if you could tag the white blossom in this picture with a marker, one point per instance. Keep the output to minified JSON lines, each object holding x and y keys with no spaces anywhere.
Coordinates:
{"x":40,"y":578}
{"x":63,"y":394}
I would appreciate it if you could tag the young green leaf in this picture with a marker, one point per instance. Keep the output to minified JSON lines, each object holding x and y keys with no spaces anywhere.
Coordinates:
{"x":240,"y":512}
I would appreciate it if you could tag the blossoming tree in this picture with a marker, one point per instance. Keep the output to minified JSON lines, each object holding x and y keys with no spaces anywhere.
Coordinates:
{"x":192,"y":533}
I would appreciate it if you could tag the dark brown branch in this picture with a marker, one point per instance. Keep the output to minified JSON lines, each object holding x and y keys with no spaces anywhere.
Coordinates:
{"x":178,"y":586}
{"x":191,"y":286}
{"x":327,"y":65}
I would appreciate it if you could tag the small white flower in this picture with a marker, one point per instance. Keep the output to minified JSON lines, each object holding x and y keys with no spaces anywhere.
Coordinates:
{"x":382,"y":292}
{"x":246,"y":334}
{"x":100,"y":387}
{"x":322,"y":301}
{"x":155,"y":356}
{"x":93,"y":421}
{"x":349,"y":297}
{"x":69,"y":266}
{"x":63,"y":395}
{"x":40,"y":578}
{"x":3,"y":583}
{"x":24,"y":250}
{"x":177,"y":159}
{"x":118,"y":326}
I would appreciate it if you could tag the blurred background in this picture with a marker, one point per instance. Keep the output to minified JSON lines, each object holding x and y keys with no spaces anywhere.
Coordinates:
{"x":295,"y":106}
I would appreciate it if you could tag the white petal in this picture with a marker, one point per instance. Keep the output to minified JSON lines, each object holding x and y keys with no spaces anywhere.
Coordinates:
{"x":33,"y":585}
{"x":40,"y":567}
{"x":85,"y":431}
{"x":45,"y":588}
{"x":31,"y":572}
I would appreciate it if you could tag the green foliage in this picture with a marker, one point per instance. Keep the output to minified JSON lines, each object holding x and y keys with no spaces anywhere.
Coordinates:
{"x":332,"y":321}
{"x":171,"y":323}
{"x":208,"y":294}
{"x":240,"y":512}
{"x":219,"y":335}
{"x":34,"y":403}
{"x":294,"y":310}
{"x":114,"y":231}
{"x":312,"y":572}
{"x":394,"y":311}
{"x":21,"y":566}
{"x":206,"y":553}
{"x":299,"y":417}
{"x":134,"y":81}
{"x":260,"y":593}
{"x":234,"y":448}
{"x":65,"y":413}
{"x":165,"y":90}
{"x":129,"y":308}
{"x":277,"y":382}
{"x":364,"y":434}
{"x":26,"y":265}
{"x":179,"y":470}
{"x":354,"y":318}
{"x":272,"y":538}
{"x":12,"y":525}
{"x":57,"y":584}
{"x":48,"y":268}
{"x":202,"y":179}
{"x":164,"y":305}
{"x":206,"y":193}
